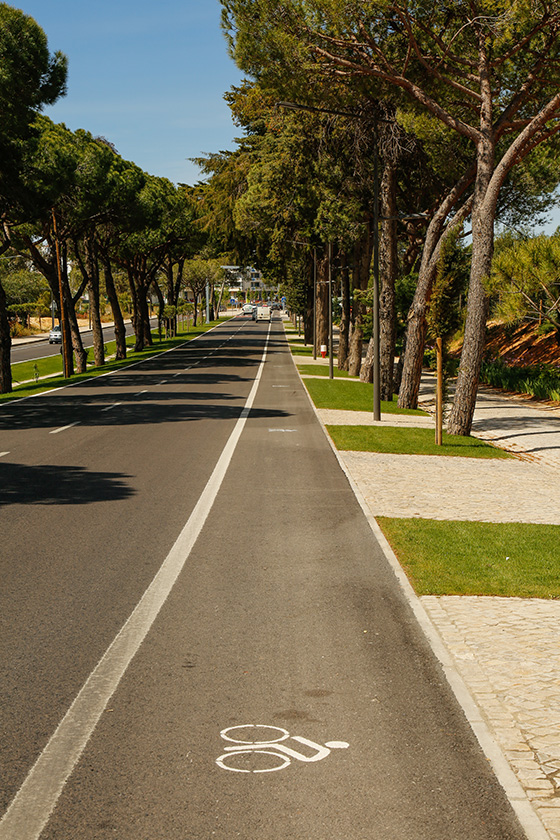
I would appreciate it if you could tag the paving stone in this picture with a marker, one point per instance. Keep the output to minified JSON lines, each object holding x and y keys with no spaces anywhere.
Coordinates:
{"x":507,"y":650}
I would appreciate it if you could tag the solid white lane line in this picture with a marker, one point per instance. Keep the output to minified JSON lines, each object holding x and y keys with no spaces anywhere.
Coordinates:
{"x":63,"y":428}
{"x":36,"y":799}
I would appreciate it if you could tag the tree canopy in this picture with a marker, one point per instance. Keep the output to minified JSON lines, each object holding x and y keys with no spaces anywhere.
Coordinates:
{"x":487,"y":71}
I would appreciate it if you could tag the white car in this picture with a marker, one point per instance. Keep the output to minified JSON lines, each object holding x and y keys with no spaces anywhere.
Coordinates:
{"x":55,"y":336}
{"x":247,"y":308}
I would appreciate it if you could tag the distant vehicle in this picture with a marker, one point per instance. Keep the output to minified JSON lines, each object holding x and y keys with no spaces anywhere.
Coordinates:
{"x":264,"y":313}
{"x":55,"y":336}
{"x":247,"y":308}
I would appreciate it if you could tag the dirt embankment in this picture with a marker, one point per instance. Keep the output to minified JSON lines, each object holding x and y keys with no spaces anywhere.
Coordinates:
{"x":520,"y":346}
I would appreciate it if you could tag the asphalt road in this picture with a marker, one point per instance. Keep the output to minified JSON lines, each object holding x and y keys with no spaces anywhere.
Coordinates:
{"x":279,"y":689}
{"x":39,"y":348}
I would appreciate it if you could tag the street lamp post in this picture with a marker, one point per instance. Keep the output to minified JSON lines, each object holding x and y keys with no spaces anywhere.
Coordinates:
{"x":376,"y":339}
{"x":331,"y":357}
{"x":314,"y":303}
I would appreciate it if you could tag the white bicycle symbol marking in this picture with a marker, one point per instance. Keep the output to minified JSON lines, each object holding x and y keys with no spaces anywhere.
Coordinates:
{"x":251,"y":740}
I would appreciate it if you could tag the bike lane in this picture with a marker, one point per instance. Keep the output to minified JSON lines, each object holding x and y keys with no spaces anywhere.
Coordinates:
{"x":284,"y":691}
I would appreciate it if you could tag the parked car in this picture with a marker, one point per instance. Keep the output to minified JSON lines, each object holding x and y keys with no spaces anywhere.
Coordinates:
{"x":55,"y":335}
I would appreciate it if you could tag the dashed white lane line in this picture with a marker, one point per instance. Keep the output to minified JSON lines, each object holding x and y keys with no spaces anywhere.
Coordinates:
{"x":36,"y":799}
{"x":63,"y":428}
{"x":109,"y":407}
{"x":139,"y":394}
{"x":3,"y":453}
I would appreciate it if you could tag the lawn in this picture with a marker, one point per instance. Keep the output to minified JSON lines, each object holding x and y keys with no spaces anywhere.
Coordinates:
{"x":301,"y":350}
{"x":322,"y":370}
{"x":410,"y":441}
{"x":477,"y":558}
{"x":350,"y":396}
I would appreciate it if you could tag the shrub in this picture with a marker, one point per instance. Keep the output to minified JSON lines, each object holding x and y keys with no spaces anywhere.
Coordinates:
{"x":540,"y":381}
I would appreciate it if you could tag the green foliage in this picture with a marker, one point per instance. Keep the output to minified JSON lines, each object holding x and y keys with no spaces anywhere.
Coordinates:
{"x":525,"y":281}
{"x":30,"y":77}
{"x":21,"y":285}
{"x":451,"y":281}
{"x":539,"y":381}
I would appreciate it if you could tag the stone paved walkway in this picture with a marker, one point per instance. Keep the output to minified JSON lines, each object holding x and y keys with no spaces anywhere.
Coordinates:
{"x":507,"y":650}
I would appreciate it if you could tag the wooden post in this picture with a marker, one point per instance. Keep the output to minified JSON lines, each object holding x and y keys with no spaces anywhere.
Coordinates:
{"x":439,"y":394}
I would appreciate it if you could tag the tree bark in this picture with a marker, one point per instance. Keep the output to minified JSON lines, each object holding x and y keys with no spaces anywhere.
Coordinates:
{"x":388,"y":274}
{"x":360,"y":276}
{"x":322,"y":301}
{"x":389,"y":265}
{"x":5,"y":346}
{"x":120,"y":331}
{"x":93,"y":288}
{"x":416,"y":320}
{"x":461,"y":415}
{"x":344,"y":330}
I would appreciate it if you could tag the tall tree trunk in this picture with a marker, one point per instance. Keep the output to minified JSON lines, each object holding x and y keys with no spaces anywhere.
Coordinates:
{"x":5,"y":346}
{"x":344,"y":328}
{"x":461,"y":415}
{"x":308,"y":311}
{"x":389,"y":267}
{"x":360,"y":275}
{"x":388,"y":274}
{"x":139,"y":284}
{"x":136,"y":316}
{"x":322,"y":301}
{"x":120,"y":330}
{"x":94,"y":300}
{"x":416,"y":321}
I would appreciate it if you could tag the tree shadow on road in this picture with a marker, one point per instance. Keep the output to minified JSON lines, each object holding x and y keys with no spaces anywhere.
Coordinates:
{"x":54,"y":485}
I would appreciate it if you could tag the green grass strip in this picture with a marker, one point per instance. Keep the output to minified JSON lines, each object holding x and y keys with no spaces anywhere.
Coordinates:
{"x":301,"y":351}
{"x":397,"y":440}
{"x":350,"y":396}
{"x":477,"y":558}
{"x":22,"y":371}
{"x":322,"y":370}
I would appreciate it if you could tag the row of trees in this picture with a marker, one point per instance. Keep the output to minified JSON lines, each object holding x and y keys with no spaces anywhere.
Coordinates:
{"x":68,"y":198}
{"x":459,"y":100}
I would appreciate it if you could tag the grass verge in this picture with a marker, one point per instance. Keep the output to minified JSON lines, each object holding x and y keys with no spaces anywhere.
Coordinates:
{"x":410,"y":441}
{"x":322,"y":370}
{"x":52,"y":365}
{"x":477,"y":558}
{"x":301,"y":350}
{"x":350,"y":396}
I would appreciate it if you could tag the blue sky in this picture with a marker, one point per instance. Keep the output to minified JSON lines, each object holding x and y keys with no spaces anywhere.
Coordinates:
{"x":149,"y":76}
